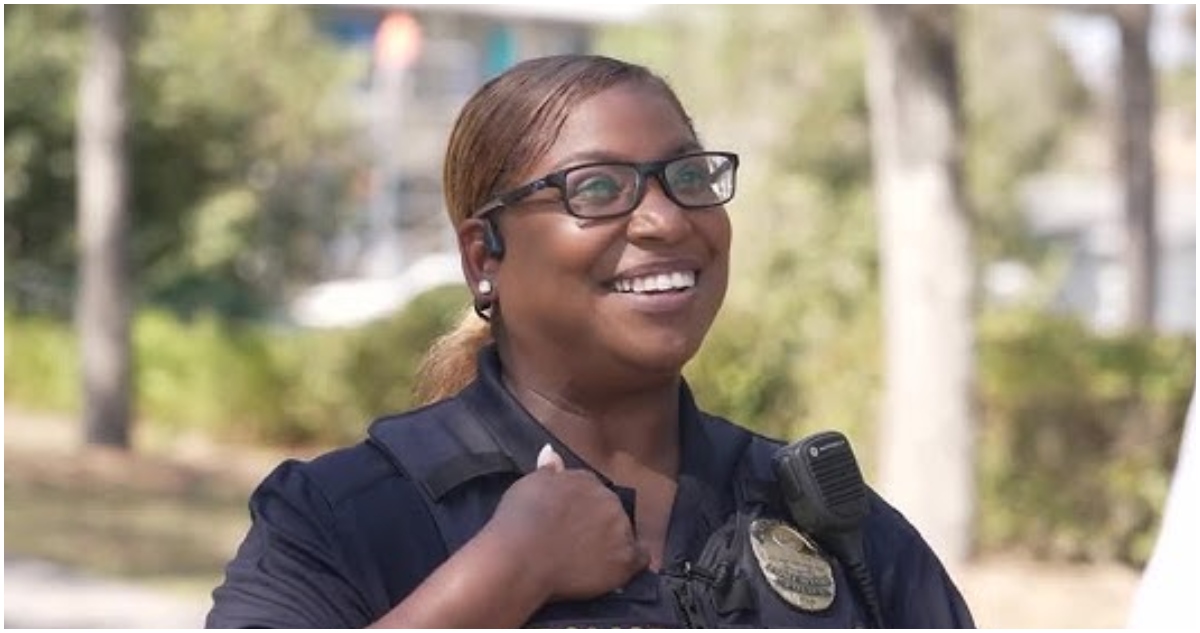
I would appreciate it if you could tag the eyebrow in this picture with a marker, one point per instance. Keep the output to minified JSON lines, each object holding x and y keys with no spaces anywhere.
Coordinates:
{"x":604,"y":156}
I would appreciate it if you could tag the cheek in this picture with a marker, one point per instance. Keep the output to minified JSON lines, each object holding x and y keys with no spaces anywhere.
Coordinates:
{"x":718,"y":234}
{"x":541,"y":251}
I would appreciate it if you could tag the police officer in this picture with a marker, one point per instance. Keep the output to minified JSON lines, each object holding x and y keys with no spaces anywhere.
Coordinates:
{"x":562,"y":474}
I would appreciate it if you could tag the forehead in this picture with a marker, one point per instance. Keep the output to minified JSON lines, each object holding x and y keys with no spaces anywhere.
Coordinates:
{"x":626,"y":122}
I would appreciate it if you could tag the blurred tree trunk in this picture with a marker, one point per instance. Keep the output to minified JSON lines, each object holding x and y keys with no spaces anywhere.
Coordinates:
{"x":927,"y":450}
{"x":1135,"y":160}
{"x":103,"y":311}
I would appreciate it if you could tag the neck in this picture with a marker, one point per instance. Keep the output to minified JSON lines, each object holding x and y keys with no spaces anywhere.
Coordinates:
{"x":616,"y":434}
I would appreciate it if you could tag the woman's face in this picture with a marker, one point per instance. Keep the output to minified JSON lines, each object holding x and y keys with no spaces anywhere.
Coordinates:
{"x":573,"y":292}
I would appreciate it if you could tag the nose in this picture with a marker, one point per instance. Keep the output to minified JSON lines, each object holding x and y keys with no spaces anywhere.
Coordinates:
{"x":657,"y":217}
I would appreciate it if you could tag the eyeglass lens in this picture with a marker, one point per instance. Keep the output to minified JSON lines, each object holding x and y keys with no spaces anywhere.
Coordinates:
{"x":698,"y":181}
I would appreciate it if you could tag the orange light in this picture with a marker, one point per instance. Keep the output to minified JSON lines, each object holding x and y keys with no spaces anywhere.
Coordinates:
{"x":398,"y":40}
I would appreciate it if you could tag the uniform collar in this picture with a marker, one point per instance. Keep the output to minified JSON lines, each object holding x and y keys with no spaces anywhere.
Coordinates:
{"x":521,"y":436}
{"x":709,"y":454}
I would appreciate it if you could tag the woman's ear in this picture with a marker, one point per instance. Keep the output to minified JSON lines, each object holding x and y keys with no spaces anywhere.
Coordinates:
{"x":480,"y":264}
{"x":478,"y":256}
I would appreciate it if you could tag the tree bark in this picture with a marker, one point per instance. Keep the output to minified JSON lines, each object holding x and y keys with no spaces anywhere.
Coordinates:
{"x":927,"y":426}
{"x":104,"y":308}
{"x":1135,"y":160}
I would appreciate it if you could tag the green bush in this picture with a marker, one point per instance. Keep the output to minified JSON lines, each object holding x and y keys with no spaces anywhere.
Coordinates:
{"x":757,"y":373}
{"x":1079,"y":438}
{"x":242,"y":382}
{"x":340,"y":380}
{"x":206,"y":374}
{"x":41,"y":363}
{"x":744,"y":377}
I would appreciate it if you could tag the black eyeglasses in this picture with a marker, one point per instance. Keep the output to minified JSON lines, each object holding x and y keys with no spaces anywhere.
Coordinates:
{"x":611,"y":189}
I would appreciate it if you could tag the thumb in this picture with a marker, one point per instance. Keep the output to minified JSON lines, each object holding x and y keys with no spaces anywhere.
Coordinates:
{"x":548,"y":458}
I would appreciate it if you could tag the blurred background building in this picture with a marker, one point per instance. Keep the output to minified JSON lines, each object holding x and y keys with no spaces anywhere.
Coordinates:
{"x":1081,"y":217}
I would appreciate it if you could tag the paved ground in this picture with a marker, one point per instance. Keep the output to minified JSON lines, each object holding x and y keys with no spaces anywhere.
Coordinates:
{"x":1018,"y":593}
{"x":39,"y":595}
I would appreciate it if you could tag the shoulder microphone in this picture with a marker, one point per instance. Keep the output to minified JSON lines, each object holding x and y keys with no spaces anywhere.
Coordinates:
{"x":824,"y":492}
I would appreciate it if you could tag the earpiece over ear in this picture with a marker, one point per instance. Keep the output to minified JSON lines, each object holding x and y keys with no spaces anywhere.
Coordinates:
{"x":492,"y":240}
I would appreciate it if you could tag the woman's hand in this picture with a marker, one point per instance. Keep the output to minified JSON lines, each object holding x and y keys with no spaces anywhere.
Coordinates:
{"x":570,"y":530}
{"x":557,"y":535}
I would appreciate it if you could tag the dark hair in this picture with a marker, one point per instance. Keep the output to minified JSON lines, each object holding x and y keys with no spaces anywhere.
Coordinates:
{"x":503,"y":129}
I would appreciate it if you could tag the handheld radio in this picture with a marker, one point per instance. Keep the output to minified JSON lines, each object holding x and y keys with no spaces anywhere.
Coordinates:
{"x":825,"y":494}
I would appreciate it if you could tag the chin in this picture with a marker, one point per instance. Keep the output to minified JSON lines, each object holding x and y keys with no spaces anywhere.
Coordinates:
{"x":667,"y":357}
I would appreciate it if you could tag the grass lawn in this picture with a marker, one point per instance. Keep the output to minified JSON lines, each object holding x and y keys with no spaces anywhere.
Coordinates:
{"x":161,"y":515}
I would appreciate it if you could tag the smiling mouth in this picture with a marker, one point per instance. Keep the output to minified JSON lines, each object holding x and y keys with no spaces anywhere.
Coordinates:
{"x":656,"y":283}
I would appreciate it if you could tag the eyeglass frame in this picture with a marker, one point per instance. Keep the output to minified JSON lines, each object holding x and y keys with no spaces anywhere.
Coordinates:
{"x":655,"y":168}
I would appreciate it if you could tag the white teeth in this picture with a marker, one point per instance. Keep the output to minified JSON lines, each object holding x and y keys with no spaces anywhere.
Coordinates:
{"x":660,"y":282}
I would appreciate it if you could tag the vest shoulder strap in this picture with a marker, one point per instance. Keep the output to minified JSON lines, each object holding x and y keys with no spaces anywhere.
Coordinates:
{"x":439,"y":448}
{"x":755,"y":481}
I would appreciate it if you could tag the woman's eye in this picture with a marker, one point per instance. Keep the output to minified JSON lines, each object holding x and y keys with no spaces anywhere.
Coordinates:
{"x":595,"y":189}
{"x":690,"y":178}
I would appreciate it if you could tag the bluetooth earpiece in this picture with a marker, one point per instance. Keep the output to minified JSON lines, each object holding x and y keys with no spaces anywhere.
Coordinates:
{"x":492,"y":240}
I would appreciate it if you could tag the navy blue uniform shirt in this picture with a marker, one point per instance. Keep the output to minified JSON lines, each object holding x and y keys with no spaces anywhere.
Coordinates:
{"x":339,"y":541}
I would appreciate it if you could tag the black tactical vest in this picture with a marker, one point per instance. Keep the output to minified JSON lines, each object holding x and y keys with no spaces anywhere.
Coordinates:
{"x":462,"y":470}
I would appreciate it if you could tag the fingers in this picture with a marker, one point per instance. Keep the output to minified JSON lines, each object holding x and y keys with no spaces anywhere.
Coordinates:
{"x":547,"y":458}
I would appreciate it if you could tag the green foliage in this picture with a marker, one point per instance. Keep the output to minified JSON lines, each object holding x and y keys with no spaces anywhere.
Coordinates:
{"x":41,"y":363}
{"x":389,"y":352}
{"x":755,"y":376}
{"x":239,"y":381}
{"x":205,"y":374}
{"x":236,"y":144}
{"x":1021,"y":102}
{"x":39,"y":163}
{"x":1079,"y":438}
{"x":747,"y":379}
{"x":339,"y":380}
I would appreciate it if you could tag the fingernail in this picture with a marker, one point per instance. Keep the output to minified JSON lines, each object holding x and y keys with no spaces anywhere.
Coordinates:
{"x":547,"y":456}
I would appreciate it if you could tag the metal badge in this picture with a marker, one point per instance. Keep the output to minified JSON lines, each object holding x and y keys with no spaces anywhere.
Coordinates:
{"x":792,"y":565}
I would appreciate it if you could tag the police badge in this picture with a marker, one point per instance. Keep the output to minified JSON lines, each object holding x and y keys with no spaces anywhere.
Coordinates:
{"x":792,"y":565}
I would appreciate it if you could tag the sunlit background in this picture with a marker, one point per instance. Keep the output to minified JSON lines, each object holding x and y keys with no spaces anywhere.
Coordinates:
{"x":283,"y":259}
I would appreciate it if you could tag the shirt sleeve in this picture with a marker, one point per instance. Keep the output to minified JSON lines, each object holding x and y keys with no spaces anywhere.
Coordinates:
{"x":290,"y":571}
{"x":930,"y":599}
{"x":914,"y":588}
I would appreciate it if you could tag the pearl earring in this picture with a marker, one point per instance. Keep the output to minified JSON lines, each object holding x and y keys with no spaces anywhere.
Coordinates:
{"x":485,"y":286}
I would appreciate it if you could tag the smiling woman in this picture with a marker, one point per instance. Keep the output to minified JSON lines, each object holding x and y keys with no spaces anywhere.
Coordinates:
{"x":561,"y":474}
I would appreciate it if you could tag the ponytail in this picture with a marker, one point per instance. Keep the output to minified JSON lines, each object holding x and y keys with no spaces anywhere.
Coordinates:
{"x":449,"y":365}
